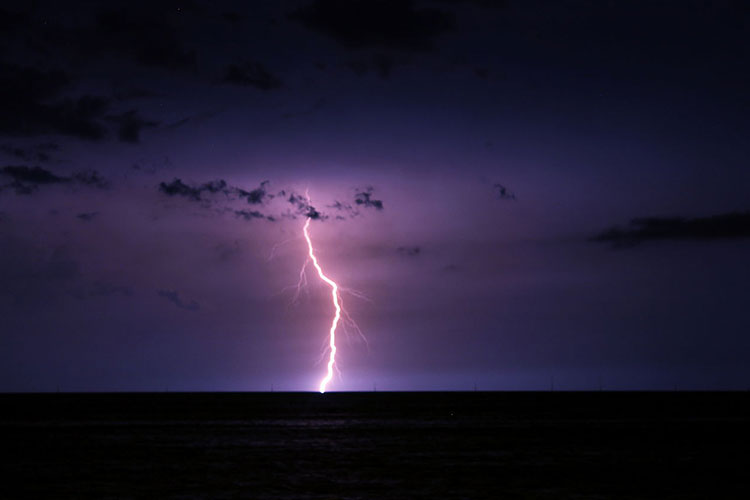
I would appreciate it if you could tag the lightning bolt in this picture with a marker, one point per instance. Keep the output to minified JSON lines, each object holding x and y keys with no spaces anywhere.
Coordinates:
{"x":336,"y":304}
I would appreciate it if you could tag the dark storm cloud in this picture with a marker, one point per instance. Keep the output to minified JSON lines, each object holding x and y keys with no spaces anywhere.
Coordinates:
{"x":252,"y":214}
{"x":251,"y":74}
{"x":412,"y":251}
{"x":25,"y":180}
{"x":716,"y":227}
{"x":312,"y":213}
{"x":130,"y":125}
{"x":249,"y":214}
{"x":385,"y":23}
{"x":341,"y":206}
{"x":11,"y":22}
{"x":32,"y":175}
{"x":179,"y":188}
{"x":257,"y":196}
{"x":145,"y":35}
{"x":90,"y":178}
{"x":39,"y":152}
{"x":344,"y":208}
{"x":262,"y":197}
{"x":32,"y":103}
{"x":174,"y":298}
{"x":217,"y":186}
{"x":16,"y":152}
{"x":503,"y":193}
{"x":364,"y":198}
{"x":303,"y":207}
{"x":488,"y":4}
{"x":87,"y":216}
{"x":36,"y":102}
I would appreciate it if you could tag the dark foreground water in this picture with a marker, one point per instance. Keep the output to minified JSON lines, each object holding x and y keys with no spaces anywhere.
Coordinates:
{"x":376,"y":445}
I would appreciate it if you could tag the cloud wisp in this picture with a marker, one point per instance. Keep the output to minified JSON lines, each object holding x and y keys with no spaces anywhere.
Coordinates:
{"x":733,"y":225}
{"x":174,"y":297}
{"x":26,"y":180}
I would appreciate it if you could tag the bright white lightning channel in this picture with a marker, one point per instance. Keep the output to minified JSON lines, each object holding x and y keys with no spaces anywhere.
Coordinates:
{"x":336,"y":303}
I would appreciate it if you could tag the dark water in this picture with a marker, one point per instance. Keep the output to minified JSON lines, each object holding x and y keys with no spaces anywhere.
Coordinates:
{"x":376,"y":445}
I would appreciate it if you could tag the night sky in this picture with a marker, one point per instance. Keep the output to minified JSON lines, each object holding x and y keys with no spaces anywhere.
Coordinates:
{"x":525,"y":193}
